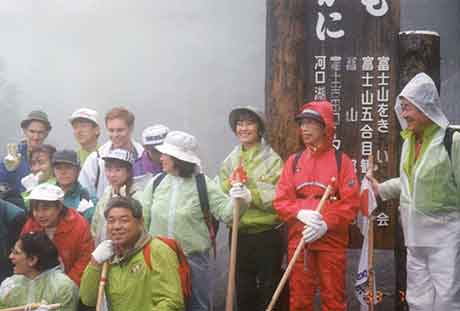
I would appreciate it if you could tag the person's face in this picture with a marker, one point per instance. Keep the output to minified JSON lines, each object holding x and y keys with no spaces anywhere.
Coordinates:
{"x":122,"y":228}
{"x":416,"y":120}
{"x":40,"y":162}
{"x":119,"y":133}
{"x":46,"y":214}
{"x":85,"y":131}
{"x":116,"y":173}
{"x":22,"y":264}
{"x":313,"y":132}
{"x":66,"y":174}
{"x":35,"y":134}
{"x":247,"y":132}
{"x":167,"y":164}
{"x":153,"y":154}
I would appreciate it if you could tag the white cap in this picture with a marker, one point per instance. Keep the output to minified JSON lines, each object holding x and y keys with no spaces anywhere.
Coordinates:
{"x":154,"y":135}
{"x":46,"y":192}
{"x":84,"y":113}
{"x":120,"y":154}
{"x":182,"y":146}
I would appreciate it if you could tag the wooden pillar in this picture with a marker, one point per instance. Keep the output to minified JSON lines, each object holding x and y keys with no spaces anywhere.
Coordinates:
{"x":419,"y":51}
{"x":284,"y":72}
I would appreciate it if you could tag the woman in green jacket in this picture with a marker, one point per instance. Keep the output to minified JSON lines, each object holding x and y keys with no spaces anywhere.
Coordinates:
{"x":38,"y":277}
{"x":173,"y":209}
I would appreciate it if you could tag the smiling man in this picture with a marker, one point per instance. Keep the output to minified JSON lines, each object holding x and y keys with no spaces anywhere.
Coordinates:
{"x":428,"y":192}
{"x":86,"y":131}
{"x":119,"y":123}
{"x":143,"y":273}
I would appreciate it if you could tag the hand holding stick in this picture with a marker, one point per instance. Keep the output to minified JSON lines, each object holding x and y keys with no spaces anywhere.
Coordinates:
{"x":299,"y":248}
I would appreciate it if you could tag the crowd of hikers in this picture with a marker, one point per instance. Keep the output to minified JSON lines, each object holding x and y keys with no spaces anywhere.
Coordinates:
{"x":139,"y":219}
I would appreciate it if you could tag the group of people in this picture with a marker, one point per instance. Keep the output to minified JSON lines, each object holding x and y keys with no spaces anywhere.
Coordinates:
{"x":143,"y":208}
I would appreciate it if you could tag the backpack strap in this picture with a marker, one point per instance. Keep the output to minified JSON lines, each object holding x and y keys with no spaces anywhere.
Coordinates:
{"x":447,"y":141}
{"x":156,"y":182}
{"x":204,"y":204}
{"x":296,"y":161}
{"x":147,"y":250}
{"x":98,"y":172}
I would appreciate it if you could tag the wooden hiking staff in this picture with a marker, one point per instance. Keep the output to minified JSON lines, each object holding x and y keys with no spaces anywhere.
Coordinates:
{"x":299,"y":248}
{"x":100,"y":292}
{"x":238,"y":176}
{"x":33,"y":306}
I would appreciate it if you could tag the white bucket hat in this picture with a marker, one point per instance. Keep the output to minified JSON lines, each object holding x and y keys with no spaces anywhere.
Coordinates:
{"x":154,"y":135}
{"x":121,"y":155}
{"x":86,"y":114}
{"x":182,"y":146}
{"x":46,"y":192}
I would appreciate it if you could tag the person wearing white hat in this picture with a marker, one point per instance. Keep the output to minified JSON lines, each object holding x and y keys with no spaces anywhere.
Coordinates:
{"x":172,"y":208}
{"x":86,"y":131}
{"x":65,"y":227}
{"x":118,"y":167}
{"x":119,"y":123}
{"x":149,"y":162}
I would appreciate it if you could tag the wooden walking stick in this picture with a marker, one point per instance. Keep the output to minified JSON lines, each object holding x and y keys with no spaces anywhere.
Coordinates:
{"x":33,"y":306}
{"x":238,"y":176}
{"x":299,"y":248}
{"x":370,"y":263}
{"x":102,"y":281}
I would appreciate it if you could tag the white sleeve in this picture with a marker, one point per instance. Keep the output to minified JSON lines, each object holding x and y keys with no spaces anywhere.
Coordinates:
{"x":390,"y":189}
{"x":88,"y":173}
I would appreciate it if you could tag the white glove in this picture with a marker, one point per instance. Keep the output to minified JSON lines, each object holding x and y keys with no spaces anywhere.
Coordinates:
{"x":310,"y":217}
{"x":240,"y":191}
{"x":30,"y":181}
{"x":84,"y":205}
{"x":103,"y":252}
{"x":43,"y":307}
{"x":12,"y":158}
{"x":311,"y":233}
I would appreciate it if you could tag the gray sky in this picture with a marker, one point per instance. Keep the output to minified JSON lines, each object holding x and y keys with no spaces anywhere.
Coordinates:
{"x":180,"y":63}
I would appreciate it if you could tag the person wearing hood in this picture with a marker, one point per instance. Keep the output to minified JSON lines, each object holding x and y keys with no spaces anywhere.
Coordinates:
{"x":120,"y":125}
{"x":15,"y":165}
{"x":172,"y":208}
{"x":304,"y":179}
{"x":143,"y":271}
{"x":260,"y":250}
{"x":68,"y":230}
{"x":428,"y":193}
{"x":37,"y":277}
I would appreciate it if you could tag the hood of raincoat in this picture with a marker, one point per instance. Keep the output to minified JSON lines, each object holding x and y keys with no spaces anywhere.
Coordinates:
{"x":324,"y":108}
{"x":422,"y":92}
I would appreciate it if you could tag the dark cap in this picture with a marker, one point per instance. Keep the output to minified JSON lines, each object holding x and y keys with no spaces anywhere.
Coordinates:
{"x":125,"y":202}
{"x":308,"y":113}
{"x":36,"y":115}
{"x":66,"y":156}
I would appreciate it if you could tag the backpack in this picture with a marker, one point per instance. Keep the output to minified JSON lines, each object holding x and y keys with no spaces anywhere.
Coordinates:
{"x":447,"y":141}
{"x":184,"y":268}
{"x":211,"y":222}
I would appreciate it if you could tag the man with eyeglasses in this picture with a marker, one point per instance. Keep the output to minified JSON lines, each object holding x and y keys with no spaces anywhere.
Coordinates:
{"x":15,"y":164}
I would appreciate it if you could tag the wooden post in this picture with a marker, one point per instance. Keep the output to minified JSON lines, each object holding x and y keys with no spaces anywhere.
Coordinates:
{"x":284,"y":72}
{"x":419,"y":51}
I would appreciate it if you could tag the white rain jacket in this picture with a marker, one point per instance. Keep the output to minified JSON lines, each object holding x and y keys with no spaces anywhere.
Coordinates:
{"x":89,"y":171}
{"x":429,"y":188}
{"x":50,"y":287}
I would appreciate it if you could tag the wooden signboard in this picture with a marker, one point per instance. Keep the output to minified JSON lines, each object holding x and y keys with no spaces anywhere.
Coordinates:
{"x":351,"y":59}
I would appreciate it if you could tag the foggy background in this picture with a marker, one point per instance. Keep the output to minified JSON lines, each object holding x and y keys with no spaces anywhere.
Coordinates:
{"x":181,"y":63}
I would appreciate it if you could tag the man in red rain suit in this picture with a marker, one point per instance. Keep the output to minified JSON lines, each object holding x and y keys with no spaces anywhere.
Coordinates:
{"x":303,"y":181}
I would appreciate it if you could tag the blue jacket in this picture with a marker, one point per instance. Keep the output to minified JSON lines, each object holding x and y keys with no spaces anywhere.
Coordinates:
{"x":13,"y":179}
{"x":73,"y":197}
